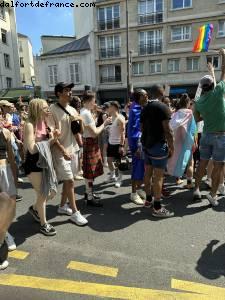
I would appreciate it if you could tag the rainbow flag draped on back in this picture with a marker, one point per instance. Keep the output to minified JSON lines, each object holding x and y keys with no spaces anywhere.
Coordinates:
{"x":204,"y":38}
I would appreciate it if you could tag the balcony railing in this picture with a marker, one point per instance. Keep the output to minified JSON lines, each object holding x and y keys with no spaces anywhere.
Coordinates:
{"x":150,"y":48}
{"x":116,"y":78}
{"x":109,"y":52}
{"x":109,"y":24}
{"x":153,"y":18}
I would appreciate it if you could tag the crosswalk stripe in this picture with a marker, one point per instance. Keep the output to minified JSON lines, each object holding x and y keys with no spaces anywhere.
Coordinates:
{"x":91,"y":268}
{"x":94,"y":289}
{"x":18,"y":254}
{"x":209,"y":290}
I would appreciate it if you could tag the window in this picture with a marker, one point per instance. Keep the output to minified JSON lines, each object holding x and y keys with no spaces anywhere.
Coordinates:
{"x":155,"y":66}
{"x":181,"y":4}
{"x":110,"y":73}
{"x":21,"y":62}
{"x":20,"y":46}
{"x":150,"y":11}
{"x":109,"y":46}
{"x":221,"y":29}
{"x":193,"y":64}
{"x":138,"y":68}
{"x":173,"y":65}
{"x":53,"y":76}
{"x":4,"y":36}
{"x":75,"y":73}
{"x":109,"y":17}
{"x":150,"y":42}
{"x":8,"y":82}
{"x":23,"y":78}
{"x":2,"y":13}
{"x":7,"y":60}
{"x":215,"y":60}
{"x":181,"y":33}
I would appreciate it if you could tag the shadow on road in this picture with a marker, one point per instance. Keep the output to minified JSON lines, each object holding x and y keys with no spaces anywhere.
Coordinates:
{"x":211,"y":264}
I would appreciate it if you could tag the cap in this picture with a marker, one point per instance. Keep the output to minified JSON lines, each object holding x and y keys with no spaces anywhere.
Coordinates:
{"x":5,"y":103}
{"x":207,"y":80}
{"x":61,"y":85}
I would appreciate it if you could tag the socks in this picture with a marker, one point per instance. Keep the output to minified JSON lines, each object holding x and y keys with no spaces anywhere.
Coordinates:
{"x":149,"y":198}
{"x":157,"y":204}
{"x":89,"y":186}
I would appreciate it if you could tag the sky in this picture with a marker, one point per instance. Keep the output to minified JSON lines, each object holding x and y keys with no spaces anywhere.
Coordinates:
{"x":35,"y":22}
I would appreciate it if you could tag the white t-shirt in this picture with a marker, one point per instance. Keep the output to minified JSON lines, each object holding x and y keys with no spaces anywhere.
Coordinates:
{"x":88,"y":119}
{"x":60,"y":120}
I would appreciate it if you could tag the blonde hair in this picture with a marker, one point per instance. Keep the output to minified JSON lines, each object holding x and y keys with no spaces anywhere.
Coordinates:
{"x":35,"y":110}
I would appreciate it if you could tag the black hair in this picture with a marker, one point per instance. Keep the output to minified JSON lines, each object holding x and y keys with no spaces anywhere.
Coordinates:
{"x":157,"y":91}
{"x":138,"y":93}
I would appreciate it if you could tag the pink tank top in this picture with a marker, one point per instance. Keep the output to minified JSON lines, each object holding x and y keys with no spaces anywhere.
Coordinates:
{"x":41,"y":131}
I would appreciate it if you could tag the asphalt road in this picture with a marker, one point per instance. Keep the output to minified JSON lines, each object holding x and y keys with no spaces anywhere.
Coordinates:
{"x":147,"y":252}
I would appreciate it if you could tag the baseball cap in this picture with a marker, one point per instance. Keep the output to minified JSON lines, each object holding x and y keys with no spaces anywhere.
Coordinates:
{"x":207,"y":80}
{"x":62,"y":85}
{"x":5,"y":103}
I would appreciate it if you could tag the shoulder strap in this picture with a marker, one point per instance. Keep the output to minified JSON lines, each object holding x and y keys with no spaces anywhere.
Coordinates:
{"x":63,"y":108}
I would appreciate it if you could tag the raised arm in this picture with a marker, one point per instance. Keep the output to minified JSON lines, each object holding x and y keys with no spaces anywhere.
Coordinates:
{"x":212,"y":72}
{"x":222,"y":53}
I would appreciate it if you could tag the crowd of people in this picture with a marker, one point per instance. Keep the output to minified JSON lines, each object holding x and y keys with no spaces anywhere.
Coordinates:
{"x":75,"y":139}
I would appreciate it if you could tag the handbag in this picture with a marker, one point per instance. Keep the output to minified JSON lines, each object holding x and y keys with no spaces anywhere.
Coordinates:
{"x":75,"y":125}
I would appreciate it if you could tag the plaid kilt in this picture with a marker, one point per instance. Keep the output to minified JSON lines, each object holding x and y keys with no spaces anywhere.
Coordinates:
{"x":92,"y":159}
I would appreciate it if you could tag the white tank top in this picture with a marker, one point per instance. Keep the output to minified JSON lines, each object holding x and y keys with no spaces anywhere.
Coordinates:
{"x":114,"y":133}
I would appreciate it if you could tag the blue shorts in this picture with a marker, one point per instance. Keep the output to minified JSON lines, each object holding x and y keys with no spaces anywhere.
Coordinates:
{"x":138,"y":168}
{"x":212,"y":145}
{"x":157,"y":156}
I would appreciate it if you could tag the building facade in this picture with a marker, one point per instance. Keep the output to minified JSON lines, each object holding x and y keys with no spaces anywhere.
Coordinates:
{"x":71,"y":62}
{"x":9,"y":57}
{"x":26,"y":60}
{"x":161,"y":37}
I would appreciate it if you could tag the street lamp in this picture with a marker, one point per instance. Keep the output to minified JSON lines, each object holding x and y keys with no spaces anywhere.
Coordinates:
{"x":128,"y":56}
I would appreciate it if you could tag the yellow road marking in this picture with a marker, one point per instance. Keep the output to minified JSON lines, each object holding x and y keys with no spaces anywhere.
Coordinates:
{"x":209,"y":290}
{"x":94,"y":289}
{"x":95,"y":269}
{"x":18,"y":254}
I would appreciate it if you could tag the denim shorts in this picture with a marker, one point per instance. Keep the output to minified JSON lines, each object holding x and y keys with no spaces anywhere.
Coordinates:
{"x":157,"y":156}
{"x":213,"y":146}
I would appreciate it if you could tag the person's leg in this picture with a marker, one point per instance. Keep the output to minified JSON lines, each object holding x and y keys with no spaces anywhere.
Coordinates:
{"x":209,"y":172}
{"x":201,"y":172}
{"x":40,"y":205}
{"x":190,"y":172}
{"x":68,"y":188}
{"x":111,"y":165}
{"x":216,"y":177}
{"x":148,"y":183}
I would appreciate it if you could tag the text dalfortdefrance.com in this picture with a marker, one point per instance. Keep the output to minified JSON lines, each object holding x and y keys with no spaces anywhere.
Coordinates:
{"x":45,"y":4}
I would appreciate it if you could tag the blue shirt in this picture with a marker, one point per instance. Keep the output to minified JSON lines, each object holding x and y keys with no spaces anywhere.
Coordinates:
{"x":15,"y":119}
{"x":134,"y":126}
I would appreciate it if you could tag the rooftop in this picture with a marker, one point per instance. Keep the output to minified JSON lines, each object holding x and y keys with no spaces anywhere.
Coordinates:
{"x":81,"y":44}
{"x":58,"y":36}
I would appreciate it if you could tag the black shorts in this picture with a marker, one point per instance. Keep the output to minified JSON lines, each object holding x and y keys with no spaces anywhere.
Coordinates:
{"x":113,"y":151}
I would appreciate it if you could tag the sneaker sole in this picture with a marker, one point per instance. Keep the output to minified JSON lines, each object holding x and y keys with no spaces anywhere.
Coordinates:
{"x":79,"y":225}
{"x":34,"y":217}
{"x":48,"y":234}
{"x":162,"y":217}
{"x":64,"y":214}
{"x":11,"y":249}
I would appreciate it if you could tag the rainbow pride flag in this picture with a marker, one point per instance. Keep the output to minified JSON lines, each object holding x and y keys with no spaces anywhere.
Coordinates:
{"x":204,"y":38}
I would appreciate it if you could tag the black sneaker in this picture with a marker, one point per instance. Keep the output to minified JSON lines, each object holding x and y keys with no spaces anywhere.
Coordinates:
{"x":95,"y":196}
{"x":19,"y":198}
{"x":34,"y":214}
{"x":48,"y":229}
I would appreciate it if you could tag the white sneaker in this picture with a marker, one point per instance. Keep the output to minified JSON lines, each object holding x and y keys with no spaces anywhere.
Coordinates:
{"x":142,"y":194}
{"x":20,"y":180}
{"x":111,"y":178}
{"x":118,"y":181}
{"x":4,"y":265}
{"x":136,"y":199}
{"x":221,"y":189}
{"x":65,"y":210}
{"x":10,"y":242}
{"x":213,"y":201}
{"x":78,"y":219}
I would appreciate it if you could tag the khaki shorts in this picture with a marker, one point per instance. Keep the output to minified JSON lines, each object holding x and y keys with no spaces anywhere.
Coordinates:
{"x":67,"y":169}
{"x":7,"y":183}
